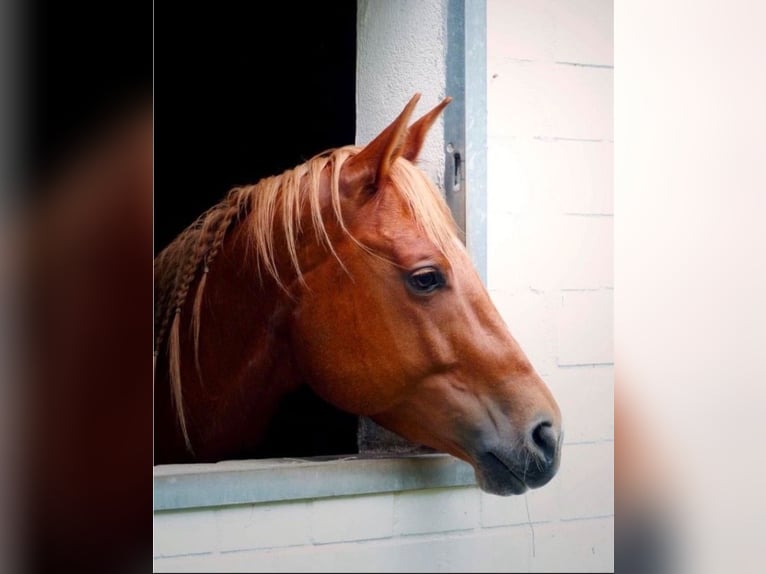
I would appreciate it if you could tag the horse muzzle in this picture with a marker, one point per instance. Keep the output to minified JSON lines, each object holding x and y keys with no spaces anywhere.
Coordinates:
{"x":505,"y":471}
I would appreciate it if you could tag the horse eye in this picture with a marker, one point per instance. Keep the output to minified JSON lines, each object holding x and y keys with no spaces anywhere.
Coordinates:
{"x":426,"y":280}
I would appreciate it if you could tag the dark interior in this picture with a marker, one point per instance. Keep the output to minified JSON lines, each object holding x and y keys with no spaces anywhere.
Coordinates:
{"x":242,"y":93}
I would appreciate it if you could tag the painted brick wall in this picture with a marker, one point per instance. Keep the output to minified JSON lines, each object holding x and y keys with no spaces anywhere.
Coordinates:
{"x":437,"y":530}
{"x":550,"y":224}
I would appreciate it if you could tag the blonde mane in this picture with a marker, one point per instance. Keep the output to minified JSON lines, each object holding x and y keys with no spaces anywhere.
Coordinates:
{"x":277,"y":200}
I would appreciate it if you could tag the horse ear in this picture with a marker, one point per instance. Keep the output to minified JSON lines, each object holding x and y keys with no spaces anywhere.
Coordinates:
{"x":416,"y":135}
{"x":373,"y":163}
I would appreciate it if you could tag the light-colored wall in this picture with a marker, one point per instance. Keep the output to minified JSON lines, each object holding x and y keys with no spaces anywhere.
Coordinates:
{"x":549,"y":194}
{"x":400,"y":51}
{"x":436,"y":530}
{"x":549,"y":236}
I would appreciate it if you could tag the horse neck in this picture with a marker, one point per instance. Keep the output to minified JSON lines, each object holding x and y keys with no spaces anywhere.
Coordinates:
{"x":244,"y":354}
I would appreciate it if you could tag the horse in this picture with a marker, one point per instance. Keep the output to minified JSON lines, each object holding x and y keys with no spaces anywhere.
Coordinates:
{"x":346,"y":274}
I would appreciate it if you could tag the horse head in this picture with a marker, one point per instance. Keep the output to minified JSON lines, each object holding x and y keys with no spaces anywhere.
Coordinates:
{"x":396,"y":324}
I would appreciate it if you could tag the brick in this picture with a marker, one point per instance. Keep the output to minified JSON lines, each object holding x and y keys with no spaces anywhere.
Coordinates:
{"x":437,"y":510}
{"x":578,"y":103}
{"x":502,"y":510}
{"x":586,"y":398}
{"x":184,"y":532}
{"x":204,"y":563}
{"x":352,"y":518}
{"x":546,"y":252}
{"x":586,"y":481}
{"x":578,"y":175}
{"x":502,"y":230}
{"x":582,"y":31}
{"x":519,"y":29}
{"x":529,"y":99}
{"x":516,"y":100}
{"x":501,"y":550}
{"x":263,"y":525}
{"x":577,"y":546}
{"x":296,"y":559}
{"x":517,"y":175}
{"x":585,"y":327}
{"x":549,"y":176}
{"x":585,"y":253}
{"x":545,"y":502}
{"x":398,"y":555}
{"x":522,"y":252}
{"x":509,"y":182}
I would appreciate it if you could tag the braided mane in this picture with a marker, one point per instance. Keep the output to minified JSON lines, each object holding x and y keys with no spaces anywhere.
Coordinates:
{"x":282,"y":199}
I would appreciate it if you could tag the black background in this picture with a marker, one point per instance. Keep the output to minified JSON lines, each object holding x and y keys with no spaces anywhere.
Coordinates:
{"x":246,"y":92}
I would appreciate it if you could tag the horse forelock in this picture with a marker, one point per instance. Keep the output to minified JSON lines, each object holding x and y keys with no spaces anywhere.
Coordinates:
{"x":427,"y":207}
{"x":257,"y":209}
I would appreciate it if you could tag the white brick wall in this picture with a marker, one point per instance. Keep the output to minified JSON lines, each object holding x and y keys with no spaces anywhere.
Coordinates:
{"x":550,"y":227}
{"x":576,"y":546}
{"x":437,"y":510}
{"x":567,"y":526}
{"x":184,"y":532}
{"x":503,"y":549}
{"x":350,"y":518}
{"x":440,"y":530}
{"x":550,"y":273}
{"x":264,"y":526}
{"x":584,"y":328}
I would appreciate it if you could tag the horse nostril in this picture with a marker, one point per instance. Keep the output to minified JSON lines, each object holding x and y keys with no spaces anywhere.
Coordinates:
{"x":546,"y":439}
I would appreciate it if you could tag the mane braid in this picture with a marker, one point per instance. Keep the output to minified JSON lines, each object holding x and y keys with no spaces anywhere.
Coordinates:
{"x":276,"y":200}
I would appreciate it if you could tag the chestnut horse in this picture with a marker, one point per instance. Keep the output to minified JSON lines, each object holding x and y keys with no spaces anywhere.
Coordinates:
{"x":346,"y":274}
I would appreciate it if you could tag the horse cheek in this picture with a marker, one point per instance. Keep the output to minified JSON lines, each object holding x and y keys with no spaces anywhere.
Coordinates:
{"x":320,"y":345}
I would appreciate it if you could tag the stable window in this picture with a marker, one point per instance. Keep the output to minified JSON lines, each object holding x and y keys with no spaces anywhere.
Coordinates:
{"x":235,"y":112}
